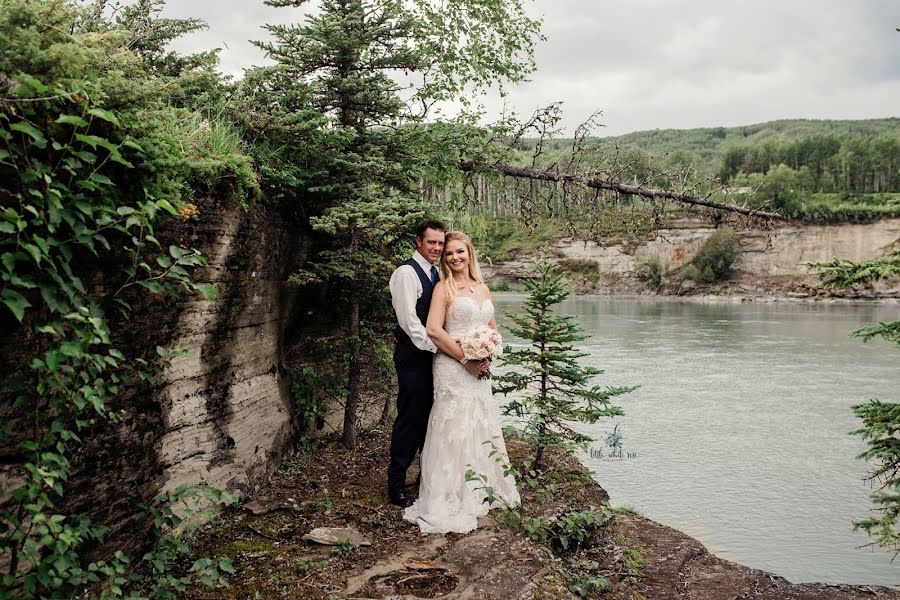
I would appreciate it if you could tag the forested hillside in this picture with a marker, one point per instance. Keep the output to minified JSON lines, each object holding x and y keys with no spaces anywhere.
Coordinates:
{"x":820,"y":171}
{"x":708,"y":146}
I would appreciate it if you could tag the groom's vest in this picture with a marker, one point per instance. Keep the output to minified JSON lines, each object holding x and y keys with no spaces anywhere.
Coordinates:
{"x":422,"y":304}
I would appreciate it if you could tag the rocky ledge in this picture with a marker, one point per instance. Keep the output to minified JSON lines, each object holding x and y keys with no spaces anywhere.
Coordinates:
{"x":323,"y":485}
{"x":771,"y":263}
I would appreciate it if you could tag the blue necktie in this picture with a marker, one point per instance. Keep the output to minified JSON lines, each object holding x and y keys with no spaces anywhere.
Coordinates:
{"x":434,"y":276}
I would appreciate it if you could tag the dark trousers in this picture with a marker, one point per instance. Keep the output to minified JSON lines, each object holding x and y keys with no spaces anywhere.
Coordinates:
{"x":415,"y":395}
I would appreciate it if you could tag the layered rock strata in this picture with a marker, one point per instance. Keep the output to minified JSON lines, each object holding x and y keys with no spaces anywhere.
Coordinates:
{"x":771,"y":262}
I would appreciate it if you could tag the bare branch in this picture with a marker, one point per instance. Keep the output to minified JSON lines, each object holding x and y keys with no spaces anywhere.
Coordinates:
{"x":533,"y":174}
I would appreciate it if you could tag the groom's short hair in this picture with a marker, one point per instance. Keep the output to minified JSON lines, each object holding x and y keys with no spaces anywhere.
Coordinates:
{"x":429,"y":224}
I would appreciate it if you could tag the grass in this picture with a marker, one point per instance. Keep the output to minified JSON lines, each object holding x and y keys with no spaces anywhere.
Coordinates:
{"x":581,"y":267}
{"x":625,"y":510}
{"x":506,"y":238}
{"x":215,"y":153}
{"x":634,"y":558}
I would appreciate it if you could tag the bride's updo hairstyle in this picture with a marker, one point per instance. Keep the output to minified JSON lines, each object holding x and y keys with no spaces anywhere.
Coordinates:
{"x":447,"y":274}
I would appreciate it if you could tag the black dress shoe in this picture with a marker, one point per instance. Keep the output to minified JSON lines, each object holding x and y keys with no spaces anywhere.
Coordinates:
{"x":399,"y":497}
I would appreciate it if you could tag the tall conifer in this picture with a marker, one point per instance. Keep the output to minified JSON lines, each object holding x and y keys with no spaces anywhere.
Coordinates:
{"x":357,"y":63}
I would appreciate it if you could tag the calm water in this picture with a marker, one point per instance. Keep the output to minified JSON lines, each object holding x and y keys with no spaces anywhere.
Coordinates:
{"x":738,"y":434}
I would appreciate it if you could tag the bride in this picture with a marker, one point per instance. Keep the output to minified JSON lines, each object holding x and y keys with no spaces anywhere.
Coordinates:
{"x":463,"y":430}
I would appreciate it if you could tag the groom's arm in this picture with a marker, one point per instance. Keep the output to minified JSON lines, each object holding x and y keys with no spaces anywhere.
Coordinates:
{"x":405,"y":291}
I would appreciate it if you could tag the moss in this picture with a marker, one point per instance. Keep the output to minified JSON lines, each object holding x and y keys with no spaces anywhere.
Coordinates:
{"x":238,"y":546}
{"x":567,"y":474}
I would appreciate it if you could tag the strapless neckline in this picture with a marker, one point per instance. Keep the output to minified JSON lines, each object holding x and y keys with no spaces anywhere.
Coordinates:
{"x":480,"y":305}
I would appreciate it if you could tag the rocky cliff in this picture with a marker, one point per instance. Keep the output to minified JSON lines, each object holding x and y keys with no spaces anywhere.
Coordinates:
{"x":220,"y":415}
{"x":771,"y":262}
{"x":225,"y":403}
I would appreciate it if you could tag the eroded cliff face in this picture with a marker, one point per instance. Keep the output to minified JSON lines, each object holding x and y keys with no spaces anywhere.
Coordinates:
{"x":220,"y":415}
{"x":225,"y":403}
{"x":770,"y":263}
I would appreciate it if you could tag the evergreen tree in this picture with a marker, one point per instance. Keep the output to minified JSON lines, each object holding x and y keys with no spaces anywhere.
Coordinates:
{"x":552,"y":388}
{"x":881,"y":420}
{"x":351,"y":62}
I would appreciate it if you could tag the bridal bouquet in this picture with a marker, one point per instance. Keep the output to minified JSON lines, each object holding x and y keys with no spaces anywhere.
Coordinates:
{"x":480,"y":343}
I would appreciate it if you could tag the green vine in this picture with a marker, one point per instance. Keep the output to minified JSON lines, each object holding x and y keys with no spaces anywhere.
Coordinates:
{"x":88,"y":172}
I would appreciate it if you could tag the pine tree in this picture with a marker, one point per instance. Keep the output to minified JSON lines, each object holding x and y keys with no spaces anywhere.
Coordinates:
{"x":553,"y":389}
{"x":351,"y":62}
{"x":881,"y":420}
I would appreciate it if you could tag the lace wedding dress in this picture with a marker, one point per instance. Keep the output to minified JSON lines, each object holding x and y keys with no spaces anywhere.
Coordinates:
{"x":463,"y":432}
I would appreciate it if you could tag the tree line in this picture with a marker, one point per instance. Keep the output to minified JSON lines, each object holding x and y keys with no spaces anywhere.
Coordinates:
{"x":823,"y":163}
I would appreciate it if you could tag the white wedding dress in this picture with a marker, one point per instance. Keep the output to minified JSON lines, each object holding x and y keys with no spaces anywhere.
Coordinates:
{"x":463,"y":432}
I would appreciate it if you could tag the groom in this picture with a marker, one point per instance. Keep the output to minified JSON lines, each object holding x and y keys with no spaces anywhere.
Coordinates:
{"x":411,"y":286}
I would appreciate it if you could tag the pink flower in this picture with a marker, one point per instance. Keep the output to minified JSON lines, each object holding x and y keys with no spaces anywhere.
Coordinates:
{"x":482,"y":342}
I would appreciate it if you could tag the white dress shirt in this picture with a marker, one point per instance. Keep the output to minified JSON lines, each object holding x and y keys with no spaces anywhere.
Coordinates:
{"x":406,"y":289}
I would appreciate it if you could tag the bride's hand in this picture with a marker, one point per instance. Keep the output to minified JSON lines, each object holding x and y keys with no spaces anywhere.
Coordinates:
{"x":474,"y":368}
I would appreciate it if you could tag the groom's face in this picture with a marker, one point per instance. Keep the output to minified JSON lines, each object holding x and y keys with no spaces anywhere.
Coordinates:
{"x":431,"y":245}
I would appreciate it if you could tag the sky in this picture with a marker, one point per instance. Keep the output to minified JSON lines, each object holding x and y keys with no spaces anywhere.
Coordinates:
{"x":660,"y":64}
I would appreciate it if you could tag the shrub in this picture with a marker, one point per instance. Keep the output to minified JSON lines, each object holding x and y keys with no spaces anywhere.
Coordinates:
{"x":584,"y":267}
{"x":93,"y":161}
{"x":691,"y":272}
{"x":715,"y":257}
{"x":574,"y":528}
{"x":502,"y":286}
{"x":652,"y":271}
{"x":311,"y":390}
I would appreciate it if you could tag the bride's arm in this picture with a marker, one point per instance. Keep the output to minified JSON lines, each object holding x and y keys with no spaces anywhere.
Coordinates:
{"x":493,"y":322}
{"x":434,"y":327}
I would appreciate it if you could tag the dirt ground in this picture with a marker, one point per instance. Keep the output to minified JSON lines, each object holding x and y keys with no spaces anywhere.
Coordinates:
{"x":324,"y":485}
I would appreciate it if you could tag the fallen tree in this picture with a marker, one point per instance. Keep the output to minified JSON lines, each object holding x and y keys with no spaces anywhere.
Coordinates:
{"x":596,"y":183}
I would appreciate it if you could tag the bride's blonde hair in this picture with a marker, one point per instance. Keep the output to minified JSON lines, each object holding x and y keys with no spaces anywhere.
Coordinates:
{"x":447,"y":275}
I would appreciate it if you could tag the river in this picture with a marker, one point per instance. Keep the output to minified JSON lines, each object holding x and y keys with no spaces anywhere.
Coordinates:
{"x":738,"y":435}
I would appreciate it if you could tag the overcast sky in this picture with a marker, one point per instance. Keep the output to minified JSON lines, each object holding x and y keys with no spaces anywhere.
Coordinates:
{"x":656,"y":64}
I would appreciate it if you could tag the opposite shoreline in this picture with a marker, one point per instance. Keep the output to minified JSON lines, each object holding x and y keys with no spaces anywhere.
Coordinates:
{"x":713,"y":298}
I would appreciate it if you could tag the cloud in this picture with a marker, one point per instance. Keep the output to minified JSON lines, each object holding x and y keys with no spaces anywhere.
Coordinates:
{"x":667,"y":64}
{"x":233,"y":26}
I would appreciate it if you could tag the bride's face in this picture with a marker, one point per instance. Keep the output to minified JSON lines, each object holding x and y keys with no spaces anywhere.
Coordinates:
{"x":456,"y":255}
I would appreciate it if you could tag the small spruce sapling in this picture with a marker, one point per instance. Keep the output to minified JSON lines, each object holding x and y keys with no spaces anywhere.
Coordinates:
{"x":551,"y":388}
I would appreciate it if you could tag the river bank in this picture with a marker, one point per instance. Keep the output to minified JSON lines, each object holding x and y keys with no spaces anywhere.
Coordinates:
{"x":771,"y":264}
{"x":323,"y":485}
{"x":743,"y":417}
